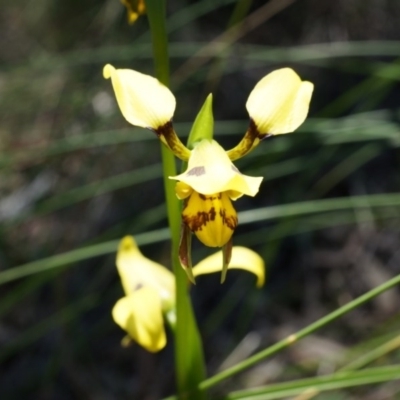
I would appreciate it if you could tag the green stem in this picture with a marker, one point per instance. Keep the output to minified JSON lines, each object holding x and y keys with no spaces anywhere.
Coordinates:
{"x":156,"y":13}
{"x":208,"y":383}
{"x":189,"y":361}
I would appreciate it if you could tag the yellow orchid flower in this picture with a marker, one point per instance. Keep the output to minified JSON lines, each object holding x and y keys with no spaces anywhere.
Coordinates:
{"x":150,"y":290}
{"x":209,"y":183}
{"x":278,"y":104}
{"x":134,"y":8}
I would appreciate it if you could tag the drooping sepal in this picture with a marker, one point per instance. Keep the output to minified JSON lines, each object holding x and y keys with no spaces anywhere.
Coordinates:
{"x":144,"y":324}
{"x":185,"y":252}
{"x":226,"y":258}
{"x":241,"y":258}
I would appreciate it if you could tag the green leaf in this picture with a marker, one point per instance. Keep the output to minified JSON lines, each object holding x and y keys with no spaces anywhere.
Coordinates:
{"x":203,"y":126}
{"x":319,"y":384}
{"x":293,"y":338}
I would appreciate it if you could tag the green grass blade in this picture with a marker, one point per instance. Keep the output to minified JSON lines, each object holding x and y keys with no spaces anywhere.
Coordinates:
{"x":319,"y":384}
{"x":74,"y":256}
{"x":290,"y":340}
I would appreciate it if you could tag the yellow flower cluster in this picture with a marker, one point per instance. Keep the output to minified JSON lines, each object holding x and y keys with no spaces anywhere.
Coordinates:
{"x":150,"y":290}
{"x":278,"y":104}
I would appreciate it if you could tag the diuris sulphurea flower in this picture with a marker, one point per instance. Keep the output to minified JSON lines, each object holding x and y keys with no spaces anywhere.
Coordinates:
{"x":149,"y":293}
{"x":278,"y":104}
{"x":149,"y":290}
{"x":134,"y":9}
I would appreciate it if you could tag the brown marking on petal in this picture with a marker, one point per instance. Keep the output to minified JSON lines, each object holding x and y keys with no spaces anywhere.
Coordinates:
{"x":169,"y":137}
{"x":199,"y":220}
{"x":197,"y":171}
{"x":254,"y":133}
{"x":230,"y":221}
{"x":137,"y":287}
{"x":250,"y":139}
{"x":252,"y":129}
{"x":164,"y":130}
{"x":212,"y":213}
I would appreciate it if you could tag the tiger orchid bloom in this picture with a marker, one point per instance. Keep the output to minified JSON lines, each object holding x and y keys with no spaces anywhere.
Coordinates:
{"x":149,"y":290}
{"x":149,"y":293}
{"x":278,"y":104}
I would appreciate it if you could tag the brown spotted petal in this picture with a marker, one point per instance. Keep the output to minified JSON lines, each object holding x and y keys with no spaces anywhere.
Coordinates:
{"x":211,"y":218}
{"x":211,"y":171}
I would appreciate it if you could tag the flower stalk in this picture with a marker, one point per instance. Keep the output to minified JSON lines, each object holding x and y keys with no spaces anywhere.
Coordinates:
{"x":189,"y":358}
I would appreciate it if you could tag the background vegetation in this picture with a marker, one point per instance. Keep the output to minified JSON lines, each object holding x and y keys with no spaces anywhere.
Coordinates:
{"x":75,"y":178}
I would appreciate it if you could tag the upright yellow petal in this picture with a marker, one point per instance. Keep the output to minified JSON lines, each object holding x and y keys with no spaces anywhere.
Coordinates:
{"x":137,"y":271}
{"x":242,"y":258}
{"x":279,"y":102}
{"x":142,"y":99}
{"x":140,"y":315}
{"x":210,"y":171}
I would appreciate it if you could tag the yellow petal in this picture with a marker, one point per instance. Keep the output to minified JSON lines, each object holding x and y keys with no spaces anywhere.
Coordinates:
{"x":279,"y":102}
{"x":142,"y":99}
{"x":210,"y":171}
{"x":140,"y":315}
{"x":242,"y":258}
{"x":211,"y":218}
{"x":137,"y":271}
{"x":182,"y":190}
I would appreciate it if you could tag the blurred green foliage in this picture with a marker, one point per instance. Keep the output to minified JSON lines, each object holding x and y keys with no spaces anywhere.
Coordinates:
{"x":75,"y":178}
